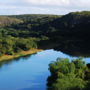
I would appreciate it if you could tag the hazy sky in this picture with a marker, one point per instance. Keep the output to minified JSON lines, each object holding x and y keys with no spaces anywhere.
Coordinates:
{"x":42,"y":6}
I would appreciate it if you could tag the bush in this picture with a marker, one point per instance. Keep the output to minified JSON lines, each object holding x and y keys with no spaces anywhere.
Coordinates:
{"x":66,"y":75}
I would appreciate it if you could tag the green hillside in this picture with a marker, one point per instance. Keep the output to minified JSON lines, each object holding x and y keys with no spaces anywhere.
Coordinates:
{"x":59,"y":32}
{"x":6,"y":21}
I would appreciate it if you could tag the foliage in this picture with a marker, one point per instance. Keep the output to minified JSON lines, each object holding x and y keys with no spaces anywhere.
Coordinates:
{"x":65,"y":32}
{"x":10,"y":45}
{"x":66,"y":75}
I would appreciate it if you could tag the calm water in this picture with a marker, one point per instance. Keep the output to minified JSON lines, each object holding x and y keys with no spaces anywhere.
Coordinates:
{"x":29,"y":73}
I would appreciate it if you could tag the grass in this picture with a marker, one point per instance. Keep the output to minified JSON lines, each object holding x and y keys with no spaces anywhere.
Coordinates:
{"x":21,"y":54}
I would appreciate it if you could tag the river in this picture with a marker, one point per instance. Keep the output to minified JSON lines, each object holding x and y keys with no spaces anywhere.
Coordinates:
{"x":30,"y":72}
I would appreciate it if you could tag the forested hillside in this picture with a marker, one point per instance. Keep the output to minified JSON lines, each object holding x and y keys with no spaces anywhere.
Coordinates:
{"x":6,"y":21}
{"x":22,"y":32}
{"x":73,"y":32}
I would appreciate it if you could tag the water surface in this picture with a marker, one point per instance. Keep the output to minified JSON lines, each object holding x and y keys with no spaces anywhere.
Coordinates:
{"x":29,"y":73}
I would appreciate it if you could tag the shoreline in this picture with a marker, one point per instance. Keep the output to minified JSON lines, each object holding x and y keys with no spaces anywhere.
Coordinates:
{"x":18,"y":55}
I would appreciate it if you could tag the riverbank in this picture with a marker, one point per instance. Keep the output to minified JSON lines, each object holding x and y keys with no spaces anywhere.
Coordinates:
{"x":21,"y":54}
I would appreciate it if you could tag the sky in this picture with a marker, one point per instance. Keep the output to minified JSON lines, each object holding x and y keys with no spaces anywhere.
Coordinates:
{"x":59,"y":7}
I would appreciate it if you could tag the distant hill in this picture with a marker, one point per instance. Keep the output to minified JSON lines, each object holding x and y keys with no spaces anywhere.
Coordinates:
{"x":73,"y":23}
{"x":7,"y":21}
{"x":66,"y":31}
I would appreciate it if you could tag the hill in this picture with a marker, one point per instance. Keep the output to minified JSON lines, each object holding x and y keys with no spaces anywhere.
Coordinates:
{"x":68,"y":33}
{"x":7,"y":21}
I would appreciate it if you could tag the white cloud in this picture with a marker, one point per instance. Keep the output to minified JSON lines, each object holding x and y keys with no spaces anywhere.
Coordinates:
{"x":48,"y":2}
{"x":73,"y":3}
{"x":79,"y":3}
{"x":43,"y":6}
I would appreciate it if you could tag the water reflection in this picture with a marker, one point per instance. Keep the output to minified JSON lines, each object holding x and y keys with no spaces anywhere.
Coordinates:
{"x":8,"y":62}
{"x":74,"y":46}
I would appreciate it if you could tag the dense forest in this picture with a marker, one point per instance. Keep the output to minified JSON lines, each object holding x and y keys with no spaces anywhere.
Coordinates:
{"x":61,"y":32}
{"x":21,"y":32}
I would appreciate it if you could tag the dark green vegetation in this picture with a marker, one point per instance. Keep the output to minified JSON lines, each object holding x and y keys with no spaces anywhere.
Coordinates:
{"x":10,"y":45}
{"x":73,"y":32}
{"x":68,"y":33}
{"x":66,"y":75}
{"x":22,"y":32}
